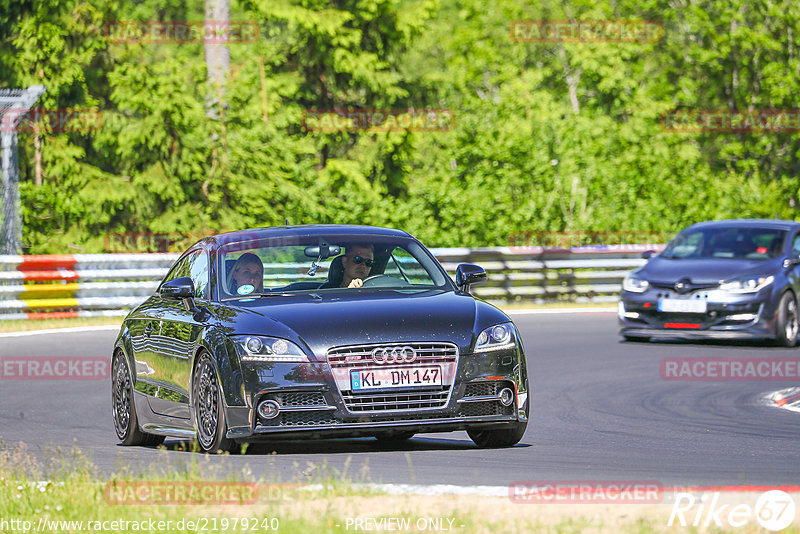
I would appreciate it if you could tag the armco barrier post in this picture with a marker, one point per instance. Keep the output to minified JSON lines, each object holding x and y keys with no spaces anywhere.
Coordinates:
{"x":14,"y":103}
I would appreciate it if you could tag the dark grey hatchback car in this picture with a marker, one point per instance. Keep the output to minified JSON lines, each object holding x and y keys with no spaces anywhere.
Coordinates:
{"x":262,"y":334}
{"x":718,"y":279}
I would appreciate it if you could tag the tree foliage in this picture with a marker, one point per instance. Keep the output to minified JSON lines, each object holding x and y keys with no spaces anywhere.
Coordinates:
{"x":557,"y":136}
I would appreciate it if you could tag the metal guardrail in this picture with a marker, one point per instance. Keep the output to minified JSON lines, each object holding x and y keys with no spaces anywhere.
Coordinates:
{"x":86,"y":285}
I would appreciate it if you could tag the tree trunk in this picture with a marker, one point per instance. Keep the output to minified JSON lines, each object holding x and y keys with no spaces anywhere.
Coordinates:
{"x":218,"y":56}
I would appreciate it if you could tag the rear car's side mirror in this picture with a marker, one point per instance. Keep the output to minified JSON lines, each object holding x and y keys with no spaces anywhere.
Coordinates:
{"x":178,"y":288}
{"x":792,"y":261}
{"x":647,"y":254}
{"x":467,"y":274}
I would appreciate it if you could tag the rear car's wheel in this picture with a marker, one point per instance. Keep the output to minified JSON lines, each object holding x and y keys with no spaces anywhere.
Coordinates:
{"x":123,"y":408}
{"x":394,"y":437}
{"x":504,"y":437}
{"x":208,"y":408}
{"x":786,"y":326}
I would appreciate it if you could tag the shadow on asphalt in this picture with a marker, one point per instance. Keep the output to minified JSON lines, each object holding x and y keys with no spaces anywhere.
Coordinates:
{"x":746,"y":343}
{"x":343,"y":445}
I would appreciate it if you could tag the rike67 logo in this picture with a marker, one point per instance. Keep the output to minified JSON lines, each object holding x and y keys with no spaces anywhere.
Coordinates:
{"x":774,"y":510}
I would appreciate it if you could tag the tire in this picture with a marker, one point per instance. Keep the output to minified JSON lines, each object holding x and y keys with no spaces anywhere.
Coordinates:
{"x":395,"y":437}
{"x":636,"y":339}
{"x":207,"y":405}
{"x":786,"y":326}
{"x":123,"y":408}
{"x":505,"y":437}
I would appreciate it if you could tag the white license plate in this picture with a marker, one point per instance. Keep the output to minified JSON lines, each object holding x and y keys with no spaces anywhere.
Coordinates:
{"x":682,"y":305}
{"x":430,"y":375}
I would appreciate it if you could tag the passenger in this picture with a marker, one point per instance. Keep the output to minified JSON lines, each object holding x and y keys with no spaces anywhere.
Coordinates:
{"x":357,"y":264}
{"x":248,"y":270}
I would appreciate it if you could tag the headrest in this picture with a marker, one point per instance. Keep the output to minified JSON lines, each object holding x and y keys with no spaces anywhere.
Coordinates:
{"x":335,"y":272}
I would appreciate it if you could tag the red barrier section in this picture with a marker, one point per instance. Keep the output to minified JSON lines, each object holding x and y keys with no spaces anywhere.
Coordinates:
{"x":47,"y":262}
{"x":53,"y":315}
{"x":48,"y":267}
{"x":51,"y":275}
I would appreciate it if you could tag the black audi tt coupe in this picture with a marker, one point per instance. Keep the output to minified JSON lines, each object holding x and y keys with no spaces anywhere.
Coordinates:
{"x":316,"y":331}
{"x":719,"y":279}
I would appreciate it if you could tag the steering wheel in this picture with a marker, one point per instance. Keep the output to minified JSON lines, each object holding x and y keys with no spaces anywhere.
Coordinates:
{"x":380,"y":280}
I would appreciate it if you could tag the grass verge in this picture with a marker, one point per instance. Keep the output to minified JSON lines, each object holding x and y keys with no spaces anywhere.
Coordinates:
{"x":66,"y":495}
{"x":46,"y":324}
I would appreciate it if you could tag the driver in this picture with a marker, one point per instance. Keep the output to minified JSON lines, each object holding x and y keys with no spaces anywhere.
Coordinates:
{"x":357,"y":264}
{"x":248,"y":270}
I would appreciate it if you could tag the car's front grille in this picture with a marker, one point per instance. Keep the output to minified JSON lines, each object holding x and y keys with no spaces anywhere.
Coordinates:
{"x":360,"y":356}
{"x":306,"y":418}
{"x":344,"y":360}
{"x":476,"y":409}
{"x":300,"y":399}
{"x":487,"y":407}
{"x":480,"y":389}
{"x":410,"y":400}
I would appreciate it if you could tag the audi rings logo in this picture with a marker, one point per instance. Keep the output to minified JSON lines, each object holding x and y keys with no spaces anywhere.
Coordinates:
{"x":394,"y":354}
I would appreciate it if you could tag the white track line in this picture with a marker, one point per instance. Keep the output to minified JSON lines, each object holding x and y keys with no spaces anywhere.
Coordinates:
{"x":435,"y":489}
{"x":60,"y":331}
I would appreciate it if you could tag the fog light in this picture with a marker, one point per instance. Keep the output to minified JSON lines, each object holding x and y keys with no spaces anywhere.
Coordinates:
{"x":506,"y":397}
{"x":742,"y":317}
{"x":269,"y":409}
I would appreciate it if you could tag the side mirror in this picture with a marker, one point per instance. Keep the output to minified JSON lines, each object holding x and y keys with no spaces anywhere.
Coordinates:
{"x":647,"y":254}
{"x":467,"y":274}
{"x":791,"y":262}
{"x":178,"y":288}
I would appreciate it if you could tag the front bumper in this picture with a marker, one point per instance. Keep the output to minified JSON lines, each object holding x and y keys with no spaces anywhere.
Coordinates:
{"x":726,"y":316}
{"x":313,"y":404}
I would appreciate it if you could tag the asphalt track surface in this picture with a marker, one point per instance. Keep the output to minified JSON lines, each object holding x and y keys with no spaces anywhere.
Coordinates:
{"x":600,"y":411}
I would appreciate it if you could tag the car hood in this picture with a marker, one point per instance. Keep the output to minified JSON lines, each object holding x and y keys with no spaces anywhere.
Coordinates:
{"x":348,"y":317}
{"x":705,"y":270}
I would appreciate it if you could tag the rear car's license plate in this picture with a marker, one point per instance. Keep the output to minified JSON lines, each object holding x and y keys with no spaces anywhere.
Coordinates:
{"x":429,"y":375}
{"x":682,"y":305}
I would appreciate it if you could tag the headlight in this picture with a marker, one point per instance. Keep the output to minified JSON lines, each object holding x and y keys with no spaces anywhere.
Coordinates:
{"x":635,"y":285}
{"x":267,"y":349}
{"x":496,"y":337}
{"x":752,"y":284}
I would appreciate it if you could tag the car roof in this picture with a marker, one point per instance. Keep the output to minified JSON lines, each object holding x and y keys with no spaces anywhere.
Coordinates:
{"x":747,"y":223}
{"x":303,"y":230}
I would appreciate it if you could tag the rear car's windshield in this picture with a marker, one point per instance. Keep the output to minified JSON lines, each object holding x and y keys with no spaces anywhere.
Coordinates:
{"x":727,"y":243}
{"x":314,"y":263}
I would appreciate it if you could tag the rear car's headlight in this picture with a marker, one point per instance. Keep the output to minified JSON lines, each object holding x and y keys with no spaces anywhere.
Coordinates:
{"x":267,"y":349}
{"x":496,"y":337}
{"x":752,"y":284}
{"x":635,"y":285}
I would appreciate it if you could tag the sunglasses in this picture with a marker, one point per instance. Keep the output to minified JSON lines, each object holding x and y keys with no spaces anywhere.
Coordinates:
{"x":358,"y":260}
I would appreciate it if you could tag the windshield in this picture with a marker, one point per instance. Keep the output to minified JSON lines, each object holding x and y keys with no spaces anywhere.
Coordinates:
{"x":737,"y":243}
{"x":312,"y":264}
